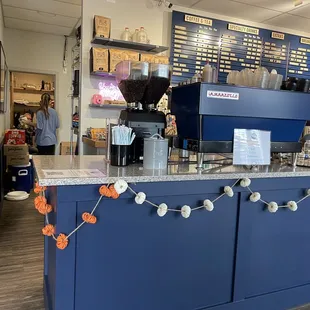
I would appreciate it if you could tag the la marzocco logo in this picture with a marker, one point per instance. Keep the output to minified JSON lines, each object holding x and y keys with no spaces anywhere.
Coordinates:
{"x":222,"y":95}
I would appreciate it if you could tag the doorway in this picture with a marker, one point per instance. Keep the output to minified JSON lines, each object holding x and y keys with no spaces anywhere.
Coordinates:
{"x":26,"y":90}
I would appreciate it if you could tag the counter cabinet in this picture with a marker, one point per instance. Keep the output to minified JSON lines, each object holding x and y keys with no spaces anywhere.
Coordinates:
{"x":238,"y":257}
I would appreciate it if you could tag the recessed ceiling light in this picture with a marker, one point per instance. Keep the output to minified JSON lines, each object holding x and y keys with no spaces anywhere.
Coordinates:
{"x":46,"y":14}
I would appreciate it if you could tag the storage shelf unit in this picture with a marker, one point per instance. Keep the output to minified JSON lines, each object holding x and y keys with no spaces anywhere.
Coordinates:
{"x":130,"y":45}
{"x":33,"y":91}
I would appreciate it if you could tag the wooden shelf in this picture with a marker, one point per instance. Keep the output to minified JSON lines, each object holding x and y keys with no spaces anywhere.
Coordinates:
{"x":33,"y":91}
{"x":94,"y":143}
{"x":129,"y":45}
{"x":102,"y":74}
{"x":108,"y":106}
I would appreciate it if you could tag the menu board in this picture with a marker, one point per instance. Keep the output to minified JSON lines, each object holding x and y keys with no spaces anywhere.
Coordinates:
{"x":230,"y":46}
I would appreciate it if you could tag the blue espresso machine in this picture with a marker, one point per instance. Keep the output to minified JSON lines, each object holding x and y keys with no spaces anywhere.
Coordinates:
{"x":207,"y":115}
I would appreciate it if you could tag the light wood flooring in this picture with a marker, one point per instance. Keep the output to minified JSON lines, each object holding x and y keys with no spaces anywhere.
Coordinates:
{"x":21,"y":258}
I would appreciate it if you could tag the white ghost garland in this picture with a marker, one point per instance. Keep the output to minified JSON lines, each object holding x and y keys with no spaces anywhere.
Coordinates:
{"x":209,"y":206}
{"x":292,"y":205}
{"x":245,"y":182}
{"x":273,"y":207}
{"x":255,"y":197}
{"x":140,"y":198}
{"x":186,"y":211}
{"x":229,"y":191}
{"x":162,"y":210}
{"x":121,"y":186}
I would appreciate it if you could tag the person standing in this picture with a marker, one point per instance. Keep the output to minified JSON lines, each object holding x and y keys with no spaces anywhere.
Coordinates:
{"x":46,"y":126}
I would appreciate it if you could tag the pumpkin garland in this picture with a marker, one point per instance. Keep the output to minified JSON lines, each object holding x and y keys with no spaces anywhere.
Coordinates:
{"x":121,"y":186}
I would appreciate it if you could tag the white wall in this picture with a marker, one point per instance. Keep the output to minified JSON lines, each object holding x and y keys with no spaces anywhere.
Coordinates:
{"x":2,"y":116}
{"x":43,"y":53}
{"x":124,"y":13}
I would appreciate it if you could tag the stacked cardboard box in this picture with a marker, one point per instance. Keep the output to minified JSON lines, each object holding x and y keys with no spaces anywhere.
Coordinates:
{"x":16,"y":155}
{"x":65,"y":148}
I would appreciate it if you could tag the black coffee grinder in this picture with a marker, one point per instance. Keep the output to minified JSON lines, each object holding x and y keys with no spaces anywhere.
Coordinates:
{"x":142,"y":85}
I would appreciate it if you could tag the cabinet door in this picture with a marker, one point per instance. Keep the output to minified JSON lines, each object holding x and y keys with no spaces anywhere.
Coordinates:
{"x":273,"y":248}
{"x":132,"y":259}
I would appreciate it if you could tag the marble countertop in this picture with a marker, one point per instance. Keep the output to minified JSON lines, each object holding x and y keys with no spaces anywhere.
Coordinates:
{"x":82,"y":170}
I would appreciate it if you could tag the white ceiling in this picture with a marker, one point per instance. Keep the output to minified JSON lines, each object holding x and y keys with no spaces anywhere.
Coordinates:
{"x":278,"y":13}
{"x":48,"y":16}
{"x":60,"y":16}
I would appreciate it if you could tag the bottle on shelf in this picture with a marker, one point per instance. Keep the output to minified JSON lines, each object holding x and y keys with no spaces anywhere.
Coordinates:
{"x":142,"y":36}
{"x":126,"y":35}
{"x":207,"y":73}
{"x":135,"y":35}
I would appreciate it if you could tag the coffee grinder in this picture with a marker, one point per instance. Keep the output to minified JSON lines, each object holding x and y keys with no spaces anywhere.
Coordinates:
{"x":142,"y":85}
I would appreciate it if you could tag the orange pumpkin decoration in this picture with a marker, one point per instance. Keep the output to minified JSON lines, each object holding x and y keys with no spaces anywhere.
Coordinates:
{"x":105,"y":191}
{"x":40,"y":205}
{"x":38,"y":200}
{"x":62,"y":242}
{"x":89,"y":218}
{"x":39,"y":189}
{"x":114,"y":193}
{"x":45,"y":208}
{"x":48,"y":230}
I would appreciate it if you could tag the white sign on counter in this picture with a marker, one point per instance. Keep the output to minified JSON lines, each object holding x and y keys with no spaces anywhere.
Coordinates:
{"x":76,"y":173}
{"x":251,"y":147}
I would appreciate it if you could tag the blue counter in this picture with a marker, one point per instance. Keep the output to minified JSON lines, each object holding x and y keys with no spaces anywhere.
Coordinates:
{"x":238,"y":257}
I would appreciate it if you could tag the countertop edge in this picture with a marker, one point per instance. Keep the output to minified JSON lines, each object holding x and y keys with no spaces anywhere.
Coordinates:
{"x":170,"y":178}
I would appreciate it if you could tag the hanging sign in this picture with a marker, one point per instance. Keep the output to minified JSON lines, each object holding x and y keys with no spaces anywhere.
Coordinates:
{"x":278,"y":35}
{"x":305,"y":41}
{"x":198,"y":20}
{"x":244,"y":29}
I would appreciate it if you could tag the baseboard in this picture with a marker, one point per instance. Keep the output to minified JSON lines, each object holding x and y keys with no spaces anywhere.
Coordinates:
{"x":281,"y":300}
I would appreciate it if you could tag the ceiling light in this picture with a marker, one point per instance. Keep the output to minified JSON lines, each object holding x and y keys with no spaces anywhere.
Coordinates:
{"x":298,"y":2}
{"x":46,"y":14}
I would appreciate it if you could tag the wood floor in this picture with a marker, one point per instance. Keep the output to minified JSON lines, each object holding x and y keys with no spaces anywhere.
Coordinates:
{"x":21,"y":258}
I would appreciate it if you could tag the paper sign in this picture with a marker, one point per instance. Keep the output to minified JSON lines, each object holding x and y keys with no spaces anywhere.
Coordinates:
{"x":78,"y":173}
{"x":251,"y":147}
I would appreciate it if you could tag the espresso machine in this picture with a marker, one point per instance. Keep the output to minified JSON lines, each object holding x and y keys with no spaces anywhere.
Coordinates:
{"x":207,"y":115}
{"x":142,"y":85}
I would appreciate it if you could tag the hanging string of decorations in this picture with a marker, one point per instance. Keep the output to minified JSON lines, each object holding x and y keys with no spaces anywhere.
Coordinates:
{"x":114,"y":191}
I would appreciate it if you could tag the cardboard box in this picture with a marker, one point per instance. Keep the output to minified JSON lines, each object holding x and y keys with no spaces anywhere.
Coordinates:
{"x":163,"y":60}
{"x":15,"y":136}
{"x":133,"y":56}
{"x":102,"y":26}
{"x":65,"y":148}
{"x":147,"y":58}
{"x":116,"y":56}
{"x":100,"y":59}
{"x":18,"y":160}
{"x":15,"y":150}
